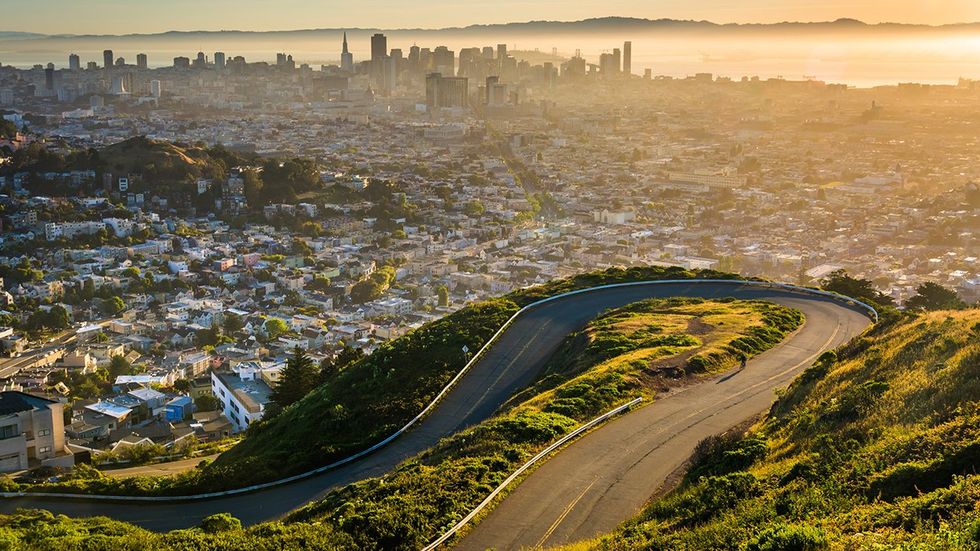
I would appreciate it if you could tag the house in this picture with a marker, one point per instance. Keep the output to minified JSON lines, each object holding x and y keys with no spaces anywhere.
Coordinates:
{"x":32,"y":432}
{"x":108,"y":414}
{"x":243,"y":397}
{"x":211,"y":425}
{"x":153,"y":399}
{"x":179,"y":409}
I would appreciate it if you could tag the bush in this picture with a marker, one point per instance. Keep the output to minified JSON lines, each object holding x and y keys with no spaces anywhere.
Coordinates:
{"x":220,"y":522}
{"x":789,"y":537}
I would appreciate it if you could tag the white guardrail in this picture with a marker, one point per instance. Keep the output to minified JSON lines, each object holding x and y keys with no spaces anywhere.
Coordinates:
{"x":871,"y":312}
{"x":507,"y":481}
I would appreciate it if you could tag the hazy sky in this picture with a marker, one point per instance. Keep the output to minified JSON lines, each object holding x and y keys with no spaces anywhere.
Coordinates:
{"x":141,"y":16}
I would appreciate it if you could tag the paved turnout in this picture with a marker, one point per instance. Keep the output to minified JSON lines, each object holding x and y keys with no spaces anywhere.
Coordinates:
{"x":604,"y":478}
{"x":509,"y":366}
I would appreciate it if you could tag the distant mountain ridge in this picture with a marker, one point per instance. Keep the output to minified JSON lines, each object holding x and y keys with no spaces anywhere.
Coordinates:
{"x":610,"y":24}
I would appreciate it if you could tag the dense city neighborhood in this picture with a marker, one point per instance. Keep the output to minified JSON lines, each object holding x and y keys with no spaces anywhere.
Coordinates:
{"x":154,"y":287}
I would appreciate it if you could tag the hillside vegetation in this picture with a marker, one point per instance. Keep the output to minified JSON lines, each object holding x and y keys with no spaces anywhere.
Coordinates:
{"x":626,"y":352}
{"x":636,"y":350}
{"x":874,"y":448}
{"x":363,"y":403}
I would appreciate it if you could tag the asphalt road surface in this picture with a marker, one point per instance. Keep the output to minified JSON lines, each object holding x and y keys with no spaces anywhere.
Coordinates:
{"x":509,"y":366}
{"x":606,"y":477}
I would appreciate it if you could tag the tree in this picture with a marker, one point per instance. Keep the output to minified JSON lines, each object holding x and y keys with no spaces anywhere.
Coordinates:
{"x":232,"y":323}
{"x":206,"y":402}
{"x":112,"y":306}
{"x":932,"y":296}
{"x":119,"y":365}
{"x":347,"y":356}
{"x":443,"y":293}
{"x":207,"y":337}
{"x":182,"y":385}
{"x":275,"y":328}
{"x":58,"y":318}
{"x":861,"y":289}
{"x":298,"y":378}
{"x":474,"y":208}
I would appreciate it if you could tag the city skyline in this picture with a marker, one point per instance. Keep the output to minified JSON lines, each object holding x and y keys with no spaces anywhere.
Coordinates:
{"x":63,"y":17}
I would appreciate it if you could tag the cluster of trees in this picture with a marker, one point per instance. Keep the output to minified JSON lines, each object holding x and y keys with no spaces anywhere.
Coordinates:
{"x":7,"y":129}
{"x":373,"y":286}
{"x":301,"y":375}
{"x":928,"y":296}
{"x":864,"y":290}
{"x":53,"y":319}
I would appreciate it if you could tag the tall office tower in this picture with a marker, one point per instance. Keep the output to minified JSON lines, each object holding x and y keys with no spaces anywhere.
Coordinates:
{"x":413,"y":57}
{"x":74,"y":62}
{"x":444,"y":61}
{"x":141,"y":61}
{"x":379,"y":46}
{"x":501,"y":51}
{"x":155,"y":89}
{"x":280,"y":59}
{"x":628,"y":58}
{"x":118,"y":87}
{"x":346,"y":58}
{"x":490,"y":82}
{"x":617,"y":60}
{"x":425,"y":59}
{"x":468,"y":62}
{"x":574,"y":68}
{"x":49,"y":77}
{"x":219,"y":60}
{"x":107,"y":59}
{"x":496,"y":93}
{"x":92,"y":66}
{"x":487,"y":52}
{"x":607,"y":64}
{"x":200,"y":61}
{"x":182,"y":62}
{"x":120,"y":61}
{"x":389,"y":72}
{"x":448,"y":92}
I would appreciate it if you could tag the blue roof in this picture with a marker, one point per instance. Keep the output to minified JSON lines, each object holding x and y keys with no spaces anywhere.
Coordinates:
{"x":180,"y":401}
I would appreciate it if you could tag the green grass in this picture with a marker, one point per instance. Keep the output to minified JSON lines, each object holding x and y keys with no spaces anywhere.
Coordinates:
{"x":361,"y":405}
{"x":41,"y":531}
{"x":426,"y":494}
{"x":876,"y":447}
{"x":614,"y":357}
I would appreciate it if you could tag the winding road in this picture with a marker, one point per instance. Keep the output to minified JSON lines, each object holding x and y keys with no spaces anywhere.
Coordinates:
{"x":656,"y":437}
{"x":605,"y":477}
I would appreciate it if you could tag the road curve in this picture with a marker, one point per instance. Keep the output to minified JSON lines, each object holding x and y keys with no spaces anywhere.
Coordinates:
{"x":508,"y":366}
{"x":605,"y":477}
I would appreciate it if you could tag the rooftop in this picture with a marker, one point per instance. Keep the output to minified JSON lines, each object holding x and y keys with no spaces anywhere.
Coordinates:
{"x":12,"y":402}
{"x":251,"y":394}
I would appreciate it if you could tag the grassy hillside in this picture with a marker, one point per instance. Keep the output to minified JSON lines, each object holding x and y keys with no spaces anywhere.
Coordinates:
{"x":623,"y":354}
{"x":154,"y":159}
{"x":632,"y":351}
{"x":876,"y":448}
{"x":362,"y":404}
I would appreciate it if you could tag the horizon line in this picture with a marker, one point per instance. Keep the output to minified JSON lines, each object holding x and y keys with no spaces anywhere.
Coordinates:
{"x":477,"y":26}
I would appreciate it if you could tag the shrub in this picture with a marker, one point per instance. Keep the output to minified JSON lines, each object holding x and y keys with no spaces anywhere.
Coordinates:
{"x":220,"y":522}
{"x":789,"y":537}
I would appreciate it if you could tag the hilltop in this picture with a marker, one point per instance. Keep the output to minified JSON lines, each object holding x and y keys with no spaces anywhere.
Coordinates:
{"x":874,"y":447}
{"x":595,"y":24}
{"x":145,"y":156}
